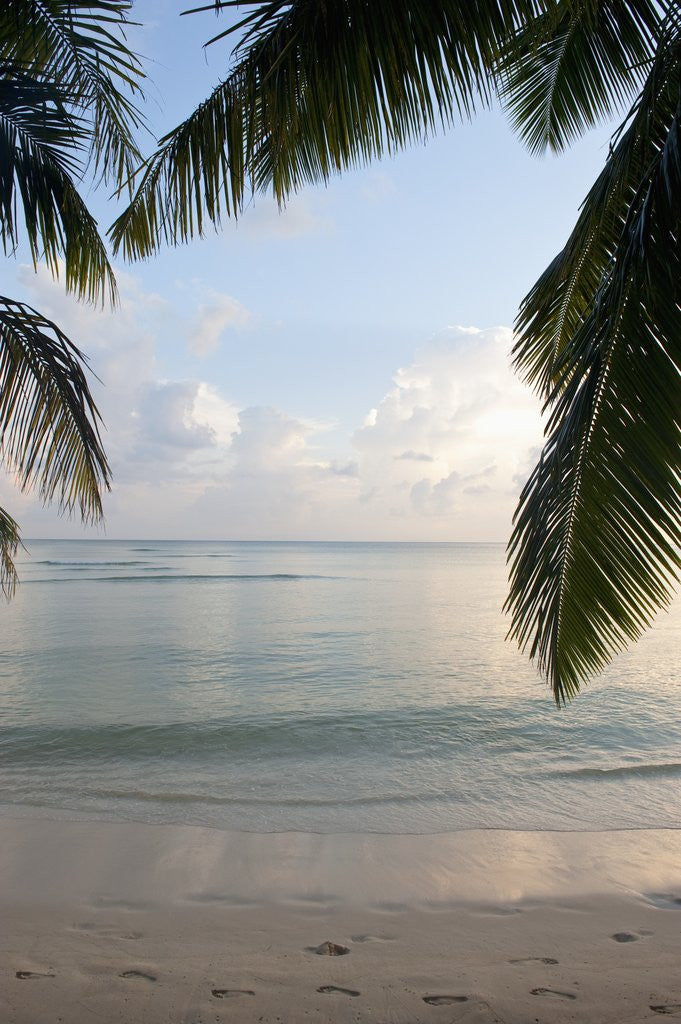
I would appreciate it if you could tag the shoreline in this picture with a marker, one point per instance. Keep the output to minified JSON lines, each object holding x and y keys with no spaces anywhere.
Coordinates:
{"x":128,"y":922}
{"x":41,"y":856}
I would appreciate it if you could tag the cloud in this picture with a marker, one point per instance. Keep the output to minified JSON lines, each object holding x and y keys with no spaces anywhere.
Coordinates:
{"x":267,"y":439}
{"x":441,"y":455}
{"x":445,"y":448}
{"x":302,"y":215}
{"x":165,"y":439}
{"x":411,"y":455}
{"x":219,"y":314}
{"x":175,"y":421}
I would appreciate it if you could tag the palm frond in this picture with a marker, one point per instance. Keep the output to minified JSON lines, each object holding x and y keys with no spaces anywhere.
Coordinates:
{"x":80,"y":46}
{"x":554,"y":309}
{"x":49,"y":423}
{"x":574,"y":66}
{"x":36,"y":168}
{"x":9,"y":544}
{"x":317,"y":88}
{"x":595,"y":550}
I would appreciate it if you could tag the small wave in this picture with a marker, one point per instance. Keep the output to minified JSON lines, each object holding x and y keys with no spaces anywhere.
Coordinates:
{"x":277,"y":736}
{"x":144,"y":796}
{"x":621,"y":771}
{"x":83,"y":565}
{"x":189,"y":578}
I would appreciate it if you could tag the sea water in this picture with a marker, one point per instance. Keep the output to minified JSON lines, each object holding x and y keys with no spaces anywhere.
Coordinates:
{"x":315,"y":687}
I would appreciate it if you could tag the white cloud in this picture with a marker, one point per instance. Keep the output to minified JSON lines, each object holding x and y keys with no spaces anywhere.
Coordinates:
{"x":215,"y":316}
{"x":442,"y":454}
{"x":302,"y":215}
{"x":443,"y":450}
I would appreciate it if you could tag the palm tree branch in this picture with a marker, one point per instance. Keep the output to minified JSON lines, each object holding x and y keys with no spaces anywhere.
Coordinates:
{"x":553,"y":310}
{"x":595,"y":548}
{"x":317,"y":88}
{"x":10,"y":541}
{"x":49,"y":423}
{"x":68,"y":42}
{"x":56,"y":219}
{"x":575,"y":66}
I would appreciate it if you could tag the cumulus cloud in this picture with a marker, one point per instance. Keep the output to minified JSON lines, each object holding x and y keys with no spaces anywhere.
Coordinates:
{"x":441,"y":455}
{"x":444,"y":449}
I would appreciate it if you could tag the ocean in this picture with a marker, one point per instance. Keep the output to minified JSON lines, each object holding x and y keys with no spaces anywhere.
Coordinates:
{"x":315,"y":687}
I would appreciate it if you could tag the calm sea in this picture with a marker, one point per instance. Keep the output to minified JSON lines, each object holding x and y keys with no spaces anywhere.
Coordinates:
{"x":315,"y":687}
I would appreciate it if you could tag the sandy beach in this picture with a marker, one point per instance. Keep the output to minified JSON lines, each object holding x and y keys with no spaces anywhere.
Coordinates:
{"x":127,"y":922}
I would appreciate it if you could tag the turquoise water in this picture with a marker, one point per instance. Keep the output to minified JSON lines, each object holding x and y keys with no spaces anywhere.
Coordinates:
{"x":314,"y":687}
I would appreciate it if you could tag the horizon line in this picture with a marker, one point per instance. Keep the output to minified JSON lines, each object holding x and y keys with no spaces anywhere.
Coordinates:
{"x":217,"y":540}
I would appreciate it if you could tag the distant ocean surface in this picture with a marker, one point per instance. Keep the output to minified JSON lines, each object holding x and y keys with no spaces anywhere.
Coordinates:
{"x":315,"y":687}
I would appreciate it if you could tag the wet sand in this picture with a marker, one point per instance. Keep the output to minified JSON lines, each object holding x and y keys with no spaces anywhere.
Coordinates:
{"x":132,"y":923}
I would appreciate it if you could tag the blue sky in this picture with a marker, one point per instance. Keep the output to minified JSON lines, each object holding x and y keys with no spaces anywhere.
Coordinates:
{"x":301,"y":374}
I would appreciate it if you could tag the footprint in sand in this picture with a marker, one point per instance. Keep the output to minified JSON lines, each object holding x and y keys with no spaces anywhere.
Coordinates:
{"x":231,"y":993}
{"x":552,"y":992}
{"x":331,"y":989}
{"x":534,"y":960}
{"x":142,"y":975}
{"x":372,"y":938}
{"x":671,"y":1009}
{"x":328,"y":949}
{"x":444,"y":1000}
{"x":30,"y":975}
{"x":625,"y":937}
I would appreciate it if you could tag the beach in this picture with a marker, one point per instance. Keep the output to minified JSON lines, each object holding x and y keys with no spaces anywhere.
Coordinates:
{"x":129,"y":922}
{"x":216,"y":758}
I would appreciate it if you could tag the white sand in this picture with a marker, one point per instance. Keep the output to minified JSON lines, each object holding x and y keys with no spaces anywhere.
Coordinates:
{"x":136,"y":923}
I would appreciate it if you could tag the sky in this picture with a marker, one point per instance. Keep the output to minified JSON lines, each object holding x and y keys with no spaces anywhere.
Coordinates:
{"x":336,"y":371}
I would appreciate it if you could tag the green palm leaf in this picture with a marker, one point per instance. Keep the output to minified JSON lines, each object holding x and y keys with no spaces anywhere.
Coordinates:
{"x":9,"y":544}
{"x":317,"y":88}
{"x":597,"y":536}
{"x":49,"y":423}
{"x":39,"y":143}
{"x":576,"y":65}
{"x":80,"y":47}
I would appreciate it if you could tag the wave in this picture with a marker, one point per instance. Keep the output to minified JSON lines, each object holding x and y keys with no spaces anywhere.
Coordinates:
{"x":621,"y":771}
{"x":81,"y":565}
{"x":144,"y":796}
{"x":188,"y":578}
{"x":407,"y":733}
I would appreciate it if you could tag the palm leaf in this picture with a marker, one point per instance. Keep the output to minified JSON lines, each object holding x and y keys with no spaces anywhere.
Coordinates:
{"x":554,"y":309}
{"x":49,"y":423}
{"x":595,"y":547}
{"x":80,"y":46}
{"x":317,"y":88}
{"x":38,"y":138}
{"x":575,"y":65}
{"x":9,"y":544}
